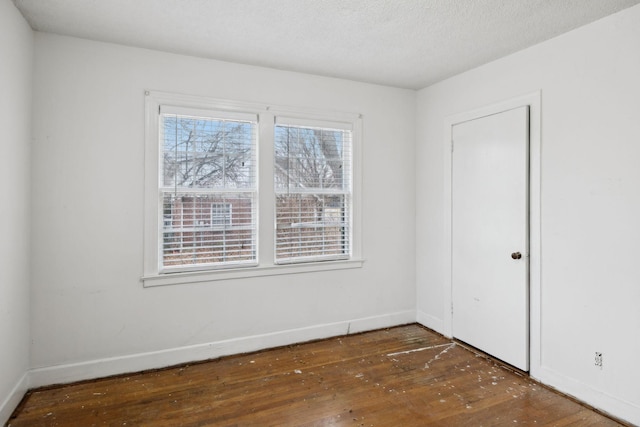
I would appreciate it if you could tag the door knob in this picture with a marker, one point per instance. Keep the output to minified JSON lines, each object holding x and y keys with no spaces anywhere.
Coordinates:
{"x":516,"y":255}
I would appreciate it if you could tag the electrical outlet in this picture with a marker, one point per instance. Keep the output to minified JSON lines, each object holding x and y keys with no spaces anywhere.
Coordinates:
{"x":598,"y":359}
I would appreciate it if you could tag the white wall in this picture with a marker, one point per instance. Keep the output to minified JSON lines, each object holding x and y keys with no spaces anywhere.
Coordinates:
{"x":590,"y":281}
{"x":16,"y":61}
{"x":88,"y":301}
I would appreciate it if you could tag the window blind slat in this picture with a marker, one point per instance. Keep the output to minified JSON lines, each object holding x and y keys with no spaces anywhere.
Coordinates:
{"x":207,"y":114}
{"x":314,"y":124}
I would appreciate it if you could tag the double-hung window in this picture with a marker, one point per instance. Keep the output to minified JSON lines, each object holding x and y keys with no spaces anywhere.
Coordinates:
{"x":313,"y":190}
{"x":236,"y":189}
{"x":208,"y":189}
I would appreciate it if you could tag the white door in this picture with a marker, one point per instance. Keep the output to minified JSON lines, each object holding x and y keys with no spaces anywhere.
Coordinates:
{"x":490,"y":245}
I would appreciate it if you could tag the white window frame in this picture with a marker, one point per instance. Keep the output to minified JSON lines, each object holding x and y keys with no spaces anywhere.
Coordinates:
{"x":250,"y":193}
{"x":265,"y":210}
{"x":346,"y":191}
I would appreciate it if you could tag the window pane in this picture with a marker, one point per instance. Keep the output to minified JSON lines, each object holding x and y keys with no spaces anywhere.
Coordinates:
{"x":207,"y":153}
{"x":312,"y":226}
{"x":208,"y":229}
{"x":312,"y":158}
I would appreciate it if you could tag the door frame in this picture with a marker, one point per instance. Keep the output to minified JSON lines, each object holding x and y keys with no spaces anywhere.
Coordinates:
{"x":533,"y":100}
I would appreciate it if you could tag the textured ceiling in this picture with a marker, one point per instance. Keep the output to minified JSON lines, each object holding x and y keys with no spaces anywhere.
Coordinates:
{"x":402,"y":43}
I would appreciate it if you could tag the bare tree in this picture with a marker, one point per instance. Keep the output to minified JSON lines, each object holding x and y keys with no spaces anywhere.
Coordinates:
{"x":203,"y":153}
{"x":309,"y":158}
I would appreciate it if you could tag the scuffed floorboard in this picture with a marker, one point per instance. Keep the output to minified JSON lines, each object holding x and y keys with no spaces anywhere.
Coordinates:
{"x":403,"y":376}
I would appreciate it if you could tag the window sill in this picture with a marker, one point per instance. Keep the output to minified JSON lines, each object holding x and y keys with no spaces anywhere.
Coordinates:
{"x":246,"y":272}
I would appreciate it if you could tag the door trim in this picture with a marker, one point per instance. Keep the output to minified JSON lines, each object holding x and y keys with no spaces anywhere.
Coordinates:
{"x":533,"y":100}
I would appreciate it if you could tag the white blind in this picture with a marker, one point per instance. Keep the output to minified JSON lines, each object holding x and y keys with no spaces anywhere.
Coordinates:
{"x":208,"y":190}
{"x":313,"y":191}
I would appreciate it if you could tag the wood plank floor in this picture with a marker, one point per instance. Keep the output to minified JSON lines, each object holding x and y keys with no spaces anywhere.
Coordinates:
{"x":403,"y":376}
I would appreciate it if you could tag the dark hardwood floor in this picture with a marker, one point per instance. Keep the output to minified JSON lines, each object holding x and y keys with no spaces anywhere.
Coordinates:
{"x":403,"y":376}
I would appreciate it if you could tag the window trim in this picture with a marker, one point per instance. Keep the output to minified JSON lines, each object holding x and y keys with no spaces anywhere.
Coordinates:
{"x":265,"y":209}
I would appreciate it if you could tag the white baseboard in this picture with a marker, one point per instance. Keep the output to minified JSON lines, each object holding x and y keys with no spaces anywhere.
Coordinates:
{"x":430,"y":321}
{"x":384,"y":321}
{"x":91,"y":369}
{"x":614,"y":406}
{"x":13,"y":399}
